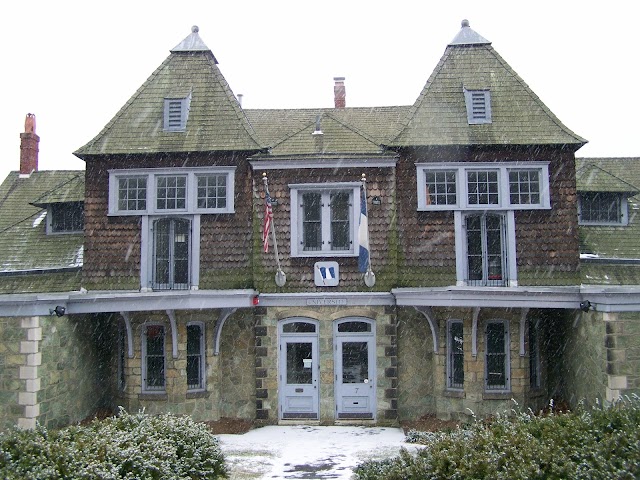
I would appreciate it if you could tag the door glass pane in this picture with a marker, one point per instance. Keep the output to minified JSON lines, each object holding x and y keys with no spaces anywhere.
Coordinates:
{"x":162,"y":251}
{"x":355,"y":362}
{"x":494,"y":247}
{"x":181,"y":252}
{"x":354,"y":327}
{"x":299,"y":363}
{"x":299,"y":327}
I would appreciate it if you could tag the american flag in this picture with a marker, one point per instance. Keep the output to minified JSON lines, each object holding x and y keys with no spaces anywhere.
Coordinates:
{"x":268,"y":217}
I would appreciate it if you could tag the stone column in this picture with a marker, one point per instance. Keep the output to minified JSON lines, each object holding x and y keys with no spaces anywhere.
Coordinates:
{"x":30,"y":348}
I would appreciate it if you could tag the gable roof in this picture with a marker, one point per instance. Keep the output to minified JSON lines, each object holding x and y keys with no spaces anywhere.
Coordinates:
{"x":592,"y":177}
{"x":438,"y":117}
{"x":215,"y":120}
{"x":24,"y":244}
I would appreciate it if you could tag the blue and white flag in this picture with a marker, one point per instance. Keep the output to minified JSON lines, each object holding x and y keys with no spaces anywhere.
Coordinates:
{"x":363,"y":233}
{"x":328,"y":273}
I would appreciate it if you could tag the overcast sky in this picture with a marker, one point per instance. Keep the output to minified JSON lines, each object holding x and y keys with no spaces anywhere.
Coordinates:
{"x":75,"y":63}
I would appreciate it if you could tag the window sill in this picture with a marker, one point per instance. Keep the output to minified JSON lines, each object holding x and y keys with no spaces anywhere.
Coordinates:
{"x":497,"y":396}
{"x":162,"y":397}
{"x":454,"y":394}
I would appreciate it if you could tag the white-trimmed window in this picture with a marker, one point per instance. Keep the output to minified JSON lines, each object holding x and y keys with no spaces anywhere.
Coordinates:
{"x":455,"y":355}
{"x":171,"y":253}
{"x":462,"y":186}
{"x":323,"y":219}
{"x":602,"y":208}
{"x":153,"y":358}
{"x":534,"y":353}
{"x":497,"y":362}
{"x":478,"y":103}
{"x":181,"y":190}
{"x":66,"y":217}
{"x":176,"y":113}
{"x":195,"y":356}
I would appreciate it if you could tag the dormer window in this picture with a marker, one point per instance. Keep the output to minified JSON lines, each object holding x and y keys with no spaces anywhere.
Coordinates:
{"x":478,"y":104}
{"x":65,"y":217}
{"x":176,"y":112}
{"x":602,"y":208}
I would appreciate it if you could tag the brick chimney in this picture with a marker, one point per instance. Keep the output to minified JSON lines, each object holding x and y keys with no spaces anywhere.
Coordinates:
{"x":29,"y":147}
{"x":339,"y":92}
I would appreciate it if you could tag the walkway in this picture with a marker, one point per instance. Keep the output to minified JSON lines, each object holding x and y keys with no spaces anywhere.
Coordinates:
{"x":307,"y":451}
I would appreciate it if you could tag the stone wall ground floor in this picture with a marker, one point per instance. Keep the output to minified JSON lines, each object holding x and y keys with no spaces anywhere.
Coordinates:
{"x":324,"y":364}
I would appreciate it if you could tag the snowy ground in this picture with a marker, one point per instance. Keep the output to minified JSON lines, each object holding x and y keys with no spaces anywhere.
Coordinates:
{"x":307,"y":451}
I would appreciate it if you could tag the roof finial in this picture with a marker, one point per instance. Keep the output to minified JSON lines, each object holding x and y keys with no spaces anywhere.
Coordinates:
{"x":465,"y":23}
{"x":195,"y":29}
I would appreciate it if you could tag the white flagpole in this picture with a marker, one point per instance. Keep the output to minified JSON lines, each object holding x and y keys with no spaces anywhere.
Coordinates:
{"x":281,"y":277}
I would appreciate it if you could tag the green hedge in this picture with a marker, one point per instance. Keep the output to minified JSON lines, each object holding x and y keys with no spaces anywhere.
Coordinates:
{"x":596,"y":443}
{"x":125,"y":447}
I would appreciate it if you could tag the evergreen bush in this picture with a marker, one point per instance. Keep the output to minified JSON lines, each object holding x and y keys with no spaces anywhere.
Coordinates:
{"x":596,"y":443}
{"x":140,"y":446}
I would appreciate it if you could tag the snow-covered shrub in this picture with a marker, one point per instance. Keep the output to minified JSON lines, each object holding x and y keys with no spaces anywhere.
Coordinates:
{"x":600,"y":443}
{"x":127,"y":447}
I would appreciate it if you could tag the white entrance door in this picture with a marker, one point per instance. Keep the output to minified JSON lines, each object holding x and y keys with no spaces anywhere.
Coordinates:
{"x":355,"y":369}
{"x":299,"y":369}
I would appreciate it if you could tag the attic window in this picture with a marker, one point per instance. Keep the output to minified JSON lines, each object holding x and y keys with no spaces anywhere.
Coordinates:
{"x":66,"y":217}
{"x":176,"y":112}
{"x":478,"y":106}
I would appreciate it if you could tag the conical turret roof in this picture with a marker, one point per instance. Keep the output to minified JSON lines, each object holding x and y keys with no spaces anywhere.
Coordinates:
{"x":518,"y":116}
{"x":215,"y":120}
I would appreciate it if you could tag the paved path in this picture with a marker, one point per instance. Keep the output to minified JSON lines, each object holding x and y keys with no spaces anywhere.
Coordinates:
{"x":307,"y":451}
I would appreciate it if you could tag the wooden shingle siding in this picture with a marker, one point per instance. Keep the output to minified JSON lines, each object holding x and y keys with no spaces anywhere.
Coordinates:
{"x":300,"y":274}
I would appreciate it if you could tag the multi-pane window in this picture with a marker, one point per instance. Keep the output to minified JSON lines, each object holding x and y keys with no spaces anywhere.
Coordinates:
{"x":153,"y":379}
{"x":497,"y":356}
{"x":455,"y":355}
{"x":212,"y":191}
{"x":67,"y":217}
{"x":323,"y":222}
{"x":132,"y":193}
{"x":171,"y":252}
{"x":441,"y":187}
{"x":171,"y":192}
{"x":482,"y":187}
{"x":478,"y":103}
{"x":534,"y":353}
{"x":602,"y":208}
{"x":524,"y":187}
{"x":195,"y":357}
{"x":486,"y":253}
{"x":167,"y":191}
{"x":470,"y":185}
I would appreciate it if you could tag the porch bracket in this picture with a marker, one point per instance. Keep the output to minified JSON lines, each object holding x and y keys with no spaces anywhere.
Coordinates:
{"x":523,"y":320}
{"x":174,"y":332}
{"x":474,"y":332}
{"x":127,"y":326}
{"x":427,"y":312}
{"x":217,"y":331}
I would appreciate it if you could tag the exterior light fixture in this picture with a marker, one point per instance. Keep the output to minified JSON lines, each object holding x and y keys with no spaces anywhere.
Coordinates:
{"x":59,"y":311}
{"x":376,"y":200}
{"x":585,"y":305}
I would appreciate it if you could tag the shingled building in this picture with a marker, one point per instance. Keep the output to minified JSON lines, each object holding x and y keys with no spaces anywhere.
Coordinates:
{"x":463,"y":206}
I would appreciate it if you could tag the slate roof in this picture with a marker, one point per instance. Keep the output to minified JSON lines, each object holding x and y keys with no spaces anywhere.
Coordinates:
{"x":24,"y":244}
{"x":215,"y":122}
{"x":353,"y":131}
{"x":599,"y":243}
{"x":438,"y":117}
